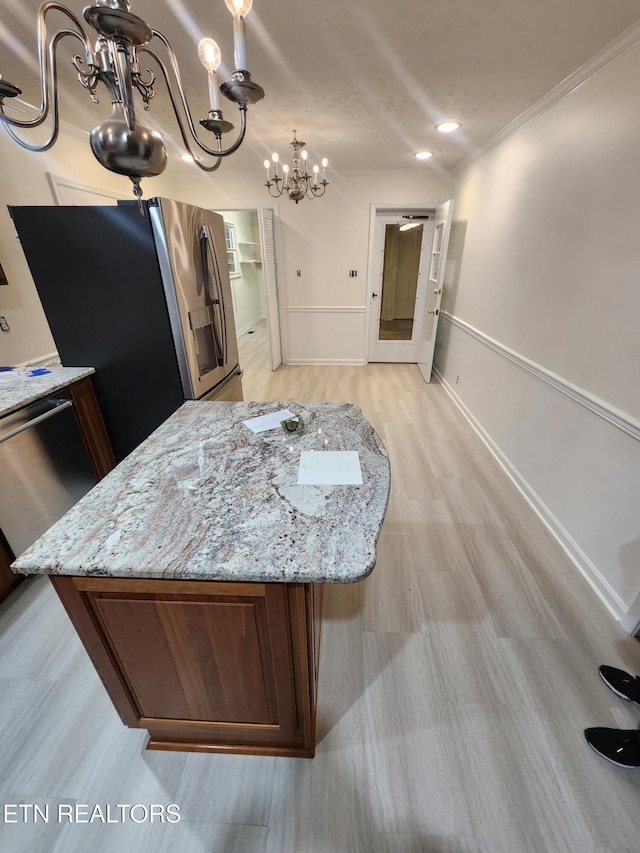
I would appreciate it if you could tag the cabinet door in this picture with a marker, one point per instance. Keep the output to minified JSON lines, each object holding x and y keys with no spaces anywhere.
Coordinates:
{"x":201,"y":665}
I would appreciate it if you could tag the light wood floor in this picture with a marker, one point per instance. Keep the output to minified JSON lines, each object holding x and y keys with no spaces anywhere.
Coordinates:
{"x":455,"y":682}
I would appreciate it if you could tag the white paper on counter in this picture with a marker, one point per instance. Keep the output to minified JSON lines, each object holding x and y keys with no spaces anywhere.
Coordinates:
{"x":265,"y":422}
{"x":329,"y":468}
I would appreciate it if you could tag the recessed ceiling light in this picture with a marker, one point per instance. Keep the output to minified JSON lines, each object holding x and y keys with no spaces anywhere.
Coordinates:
{"x":423,"y":155}
{"x":448,"y":126}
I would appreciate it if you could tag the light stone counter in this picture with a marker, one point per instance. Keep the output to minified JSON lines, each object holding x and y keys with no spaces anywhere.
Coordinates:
{"x":203,"y":498}
{"x":18,"y":389}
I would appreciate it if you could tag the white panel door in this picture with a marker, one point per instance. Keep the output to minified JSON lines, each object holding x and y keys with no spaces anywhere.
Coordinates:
{"x":268,"y":249}
{"x":437,"y":263}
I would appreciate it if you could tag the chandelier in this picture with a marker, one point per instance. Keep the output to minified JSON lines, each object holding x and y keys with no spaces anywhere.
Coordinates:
{"x":296,"y":182}
{"x":120,"y":143}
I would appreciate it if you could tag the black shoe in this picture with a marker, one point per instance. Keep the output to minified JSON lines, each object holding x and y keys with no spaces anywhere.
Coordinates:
{"x":622,"y":684}
{"x":619,"y":746}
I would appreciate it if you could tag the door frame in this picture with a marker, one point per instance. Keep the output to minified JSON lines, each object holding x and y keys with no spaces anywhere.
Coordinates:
{"x":278,"y":264}
{"x":401,"y":351}
{"x":376,"y":210}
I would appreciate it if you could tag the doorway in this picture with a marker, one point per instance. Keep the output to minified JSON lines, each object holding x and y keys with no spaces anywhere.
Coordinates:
{"x":252,"y":268}
{"x":398,"y":291}
{"x":399,"y":288}
{"x":407,"y":265}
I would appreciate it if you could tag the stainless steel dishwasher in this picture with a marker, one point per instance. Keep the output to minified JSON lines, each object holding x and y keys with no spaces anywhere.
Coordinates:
{"x":44,"y":469}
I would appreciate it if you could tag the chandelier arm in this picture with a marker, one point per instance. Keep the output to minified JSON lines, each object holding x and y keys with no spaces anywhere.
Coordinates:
{"x":316,"y":192}
{"x":185,"y":106}
{"x":277,"y":194}
{"x":174,"y":104}
{"x":48,"y":77}
{"x":51,"y":64}
{"x":145,"y":87}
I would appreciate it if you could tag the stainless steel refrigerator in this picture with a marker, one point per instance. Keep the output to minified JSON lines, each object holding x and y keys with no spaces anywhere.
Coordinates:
{"x":144,"y":297}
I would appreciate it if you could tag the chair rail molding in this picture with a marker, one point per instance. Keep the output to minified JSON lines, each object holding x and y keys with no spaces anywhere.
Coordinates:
{"x":579,"y":558}
{"x":628,"y":615}
{"x":617,"y":418}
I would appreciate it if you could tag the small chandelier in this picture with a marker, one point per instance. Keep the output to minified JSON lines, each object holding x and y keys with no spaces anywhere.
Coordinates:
{"x":120,"y":143}
{"x":296,"y":182}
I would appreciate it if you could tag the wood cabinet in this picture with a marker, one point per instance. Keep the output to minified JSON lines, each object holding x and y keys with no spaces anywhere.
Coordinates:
{"x":205,"y":666}
{"x":8,"y":579}
{"x":91,"y":426}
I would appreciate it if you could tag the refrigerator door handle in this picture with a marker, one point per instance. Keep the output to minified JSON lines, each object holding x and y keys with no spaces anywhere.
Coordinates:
{"x":218,"y":298}
{"x":207,"y":255}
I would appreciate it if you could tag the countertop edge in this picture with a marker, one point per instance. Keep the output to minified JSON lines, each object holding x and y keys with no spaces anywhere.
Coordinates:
{"x":291,"y":570}
{"x":41,"y":386}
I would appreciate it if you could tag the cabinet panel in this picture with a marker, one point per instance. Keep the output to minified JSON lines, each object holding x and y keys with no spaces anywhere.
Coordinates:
{"x":204,"y":665}
{"x":201,"y":660}
{"x":91,"y":426}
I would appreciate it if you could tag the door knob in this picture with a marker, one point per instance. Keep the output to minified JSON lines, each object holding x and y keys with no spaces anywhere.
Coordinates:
{"x":438,"y":291}
{"x":434,"y":311}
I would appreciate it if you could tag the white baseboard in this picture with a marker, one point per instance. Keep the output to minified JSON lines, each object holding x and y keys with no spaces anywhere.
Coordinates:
{"x":586,"y":567}
{"x":353,"y":362}
{"x":249,"y":326}
{"x":631,"y":620}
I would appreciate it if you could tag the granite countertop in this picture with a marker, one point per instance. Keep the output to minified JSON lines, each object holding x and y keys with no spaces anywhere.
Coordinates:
{"x":203,"y":498}
{"x":18,"y":389}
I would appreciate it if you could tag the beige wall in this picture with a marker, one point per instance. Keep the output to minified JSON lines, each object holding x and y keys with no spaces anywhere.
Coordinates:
{"x":324,"y":310}
{"x":541,"y":341}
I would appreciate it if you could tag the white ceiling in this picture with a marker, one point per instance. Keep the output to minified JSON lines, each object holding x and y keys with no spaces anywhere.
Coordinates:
{"x":363,"y":82}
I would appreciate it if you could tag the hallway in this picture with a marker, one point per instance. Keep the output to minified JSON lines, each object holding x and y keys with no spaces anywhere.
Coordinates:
{"x":455,"y":681}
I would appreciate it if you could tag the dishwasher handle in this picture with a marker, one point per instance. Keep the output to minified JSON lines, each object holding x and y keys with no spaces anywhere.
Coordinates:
{"x":59,"y":406}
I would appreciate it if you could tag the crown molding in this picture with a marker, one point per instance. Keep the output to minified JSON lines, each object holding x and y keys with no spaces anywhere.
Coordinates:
{"x":25,"y":111}
{"x":615,"y":49}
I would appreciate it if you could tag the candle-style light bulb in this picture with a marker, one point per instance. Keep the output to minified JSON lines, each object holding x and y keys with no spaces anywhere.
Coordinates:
{"x":239,"y":9}
{"x":304,"y":153}
{"x":285,"y":168}
{"x":316,"y":169}
{"x":267,"y":164}
{"x":210,"y":56}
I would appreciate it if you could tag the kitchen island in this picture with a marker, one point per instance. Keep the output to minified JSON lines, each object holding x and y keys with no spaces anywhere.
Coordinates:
{"x":194,"y":571}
